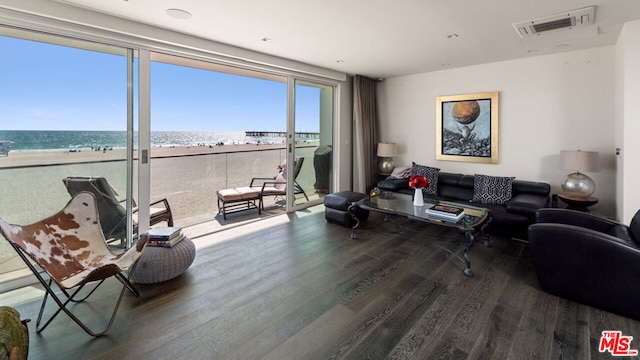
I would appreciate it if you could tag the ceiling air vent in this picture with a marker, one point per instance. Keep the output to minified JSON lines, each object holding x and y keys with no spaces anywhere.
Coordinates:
{"x":560,"y":22}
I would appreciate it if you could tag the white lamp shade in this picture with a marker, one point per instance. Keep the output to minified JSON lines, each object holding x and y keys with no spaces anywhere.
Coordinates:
{"x":580,"y":161}
{"x":387,"y":150}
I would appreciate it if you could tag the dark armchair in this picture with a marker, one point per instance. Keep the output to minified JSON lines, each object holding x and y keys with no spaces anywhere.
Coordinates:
{"x":113,"y":215}
{"x":588,"y":259}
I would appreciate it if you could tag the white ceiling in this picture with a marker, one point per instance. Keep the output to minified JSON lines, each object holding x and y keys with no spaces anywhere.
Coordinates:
{"x":379,"y":38}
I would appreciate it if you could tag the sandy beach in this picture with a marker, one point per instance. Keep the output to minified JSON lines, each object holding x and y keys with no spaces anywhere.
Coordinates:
{"x":29,"y":158}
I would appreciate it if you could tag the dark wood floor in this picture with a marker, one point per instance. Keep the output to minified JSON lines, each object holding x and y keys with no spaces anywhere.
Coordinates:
{"x":305,"y":290}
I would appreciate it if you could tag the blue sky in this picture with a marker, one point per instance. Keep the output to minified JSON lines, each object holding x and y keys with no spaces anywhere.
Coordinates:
{"x":50,"y":87}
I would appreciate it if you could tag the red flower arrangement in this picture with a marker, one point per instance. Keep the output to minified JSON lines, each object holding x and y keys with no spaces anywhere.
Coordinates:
{"x":418,"y":182}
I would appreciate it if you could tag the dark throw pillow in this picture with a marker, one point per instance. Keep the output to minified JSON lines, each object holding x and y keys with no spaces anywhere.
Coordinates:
{"x":428,"y":172}
{"x":492,"y":189}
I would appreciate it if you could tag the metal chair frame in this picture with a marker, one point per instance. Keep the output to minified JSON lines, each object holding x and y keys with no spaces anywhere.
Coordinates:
{"x":267,"y":185}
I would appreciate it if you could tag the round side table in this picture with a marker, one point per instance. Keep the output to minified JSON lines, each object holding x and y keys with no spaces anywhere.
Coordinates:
{"x":158,"y":264}
{"x":578,"y":203}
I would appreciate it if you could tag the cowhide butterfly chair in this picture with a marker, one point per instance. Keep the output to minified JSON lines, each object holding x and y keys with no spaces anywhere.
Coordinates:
{"x":72,"y":250}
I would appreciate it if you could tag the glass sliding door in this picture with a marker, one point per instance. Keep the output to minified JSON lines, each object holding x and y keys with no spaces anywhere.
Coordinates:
{"x":311,"y":143}
{"x":213,"y":127}
{"x":63,"y":113}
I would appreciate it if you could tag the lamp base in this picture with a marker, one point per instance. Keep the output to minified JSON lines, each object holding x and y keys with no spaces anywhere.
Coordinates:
{"x":386,"y":165}
{"x":578,"y":185}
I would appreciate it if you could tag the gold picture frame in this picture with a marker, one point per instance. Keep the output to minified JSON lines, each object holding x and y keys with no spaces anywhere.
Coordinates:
{"x":467,"y":127}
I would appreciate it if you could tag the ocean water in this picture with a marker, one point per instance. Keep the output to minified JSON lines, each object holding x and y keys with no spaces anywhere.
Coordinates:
{"x":32,"y":140}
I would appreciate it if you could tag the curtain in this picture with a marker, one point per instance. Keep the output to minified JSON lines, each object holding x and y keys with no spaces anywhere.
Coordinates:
{"x":365,"y":136}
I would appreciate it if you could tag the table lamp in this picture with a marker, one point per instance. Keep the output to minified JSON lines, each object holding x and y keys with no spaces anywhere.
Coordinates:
{"x":578,"y":184}
{"x":386,"y":151}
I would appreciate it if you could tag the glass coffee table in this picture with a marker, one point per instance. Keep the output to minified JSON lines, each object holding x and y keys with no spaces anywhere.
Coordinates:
{"x":402,"y":205}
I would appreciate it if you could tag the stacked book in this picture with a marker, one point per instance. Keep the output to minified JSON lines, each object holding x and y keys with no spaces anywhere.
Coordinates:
{"x":165,"y":236}
{"x":446,"y":212}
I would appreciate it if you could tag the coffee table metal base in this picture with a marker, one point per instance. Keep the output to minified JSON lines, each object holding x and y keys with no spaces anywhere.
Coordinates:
{"x":469,"y":235}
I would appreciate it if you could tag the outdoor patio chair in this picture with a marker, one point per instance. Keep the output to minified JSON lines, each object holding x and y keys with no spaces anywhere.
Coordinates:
{"x":278,"y":186}
{"x":113,"y":216}
{"x":70,"y":247}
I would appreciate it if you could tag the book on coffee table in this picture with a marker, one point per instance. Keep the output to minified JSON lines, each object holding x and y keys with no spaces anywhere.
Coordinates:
{"x":446,"y":212}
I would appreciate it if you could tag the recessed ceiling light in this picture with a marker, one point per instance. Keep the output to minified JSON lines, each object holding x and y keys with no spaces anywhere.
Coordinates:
{"x":178,"y":13}
{"x":266,"y":39}
{"x":452,"y":36}
{"x":339,"y":61}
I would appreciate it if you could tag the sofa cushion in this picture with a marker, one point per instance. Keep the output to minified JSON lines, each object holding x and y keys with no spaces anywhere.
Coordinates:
{"x":526,"y":204}
{"x":403,"y":172}
{"x":428,"y":172}
{"x":531,"y":187}
{"x":395,"y":185}
{"x":492,"y":189}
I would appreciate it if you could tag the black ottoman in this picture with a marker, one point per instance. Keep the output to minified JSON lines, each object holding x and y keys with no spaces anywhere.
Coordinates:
{"x":336,"y":208}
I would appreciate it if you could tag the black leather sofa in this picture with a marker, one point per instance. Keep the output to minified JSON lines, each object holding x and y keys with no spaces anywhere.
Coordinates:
{"x":511,"y":219}
{"x":588,"y":259}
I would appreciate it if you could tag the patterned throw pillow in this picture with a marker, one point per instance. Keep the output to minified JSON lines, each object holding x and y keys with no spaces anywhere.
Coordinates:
{"x":430,"y":173}
{"x":492,"y":189}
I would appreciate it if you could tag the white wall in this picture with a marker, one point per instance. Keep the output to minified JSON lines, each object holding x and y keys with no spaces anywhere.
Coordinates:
{"x":628,"y":120}
{"x":547,"y":104}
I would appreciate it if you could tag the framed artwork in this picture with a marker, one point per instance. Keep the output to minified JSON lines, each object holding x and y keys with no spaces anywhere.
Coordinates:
{"x":467,"y":127}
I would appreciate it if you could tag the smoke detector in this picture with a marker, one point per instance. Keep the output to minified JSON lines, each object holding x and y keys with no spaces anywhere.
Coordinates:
{"x":565,"y":21}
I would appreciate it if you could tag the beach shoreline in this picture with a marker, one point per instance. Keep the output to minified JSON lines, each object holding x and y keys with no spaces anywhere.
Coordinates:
{"x":53,"y":157}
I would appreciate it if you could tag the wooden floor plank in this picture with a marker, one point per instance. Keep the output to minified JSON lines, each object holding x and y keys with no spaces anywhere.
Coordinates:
{"x":570,"y":330}
{"x":378,"y":314}
{"x":303,"y":289}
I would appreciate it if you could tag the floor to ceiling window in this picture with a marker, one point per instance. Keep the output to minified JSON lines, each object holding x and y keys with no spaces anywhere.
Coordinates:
{"x":63,"y":113}
{"x":67,"y":109}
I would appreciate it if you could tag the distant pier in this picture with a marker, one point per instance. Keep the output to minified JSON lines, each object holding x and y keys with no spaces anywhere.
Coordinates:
{"x":281,"y":134}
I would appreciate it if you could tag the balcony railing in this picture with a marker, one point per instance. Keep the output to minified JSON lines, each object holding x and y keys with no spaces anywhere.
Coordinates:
{"x":32,"y":187}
